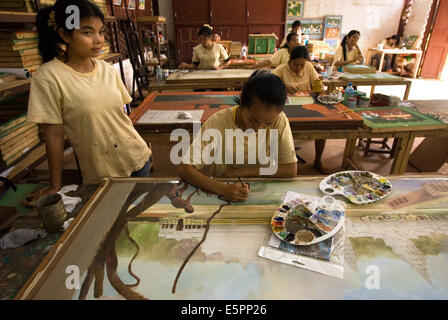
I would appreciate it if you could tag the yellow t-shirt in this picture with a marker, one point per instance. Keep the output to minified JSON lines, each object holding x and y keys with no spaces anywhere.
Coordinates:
{"x":209,"y":58}
{"x":280,"y":57}
{"x":223,"y":120}
{"x":301,"y":81}
{"x":351,"y":54}
{"x":90,"y":105}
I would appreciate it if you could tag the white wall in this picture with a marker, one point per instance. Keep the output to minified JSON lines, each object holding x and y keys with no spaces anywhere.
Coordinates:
{"x":166,"y":10}
{"x":374,"y":19}
{"x":417,"y":20}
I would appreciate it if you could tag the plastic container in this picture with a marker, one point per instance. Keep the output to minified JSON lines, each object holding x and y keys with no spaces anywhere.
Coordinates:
{"x":349,"y":93}
{"x":244,"y":51}
{"x":159,"y":75}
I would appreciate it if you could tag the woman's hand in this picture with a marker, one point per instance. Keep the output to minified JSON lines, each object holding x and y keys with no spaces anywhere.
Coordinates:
{"x":217,"y":67}
{"x":291,"y":89}
{"x":235,"y":191}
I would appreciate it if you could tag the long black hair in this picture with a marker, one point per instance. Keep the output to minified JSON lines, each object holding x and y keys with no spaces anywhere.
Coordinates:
{"x":50,"y":19}
{"x":264,"y":86}
{"x":289,"y":37}
{"x":344,"y":41}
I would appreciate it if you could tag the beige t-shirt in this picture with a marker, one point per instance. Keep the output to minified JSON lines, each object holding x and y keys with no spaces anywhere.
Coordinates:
{"x":223,"y":120}
{"x":90,"y":105}
{"x":209,"y":58}
{"x":351,"y":54}
{"x":301,"y":81}
{"x":280,"y":57}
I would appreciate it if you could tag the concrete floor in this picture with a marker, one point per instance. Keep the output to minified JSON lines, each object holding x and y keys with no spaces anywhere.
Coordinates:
{"x":332,"y":158}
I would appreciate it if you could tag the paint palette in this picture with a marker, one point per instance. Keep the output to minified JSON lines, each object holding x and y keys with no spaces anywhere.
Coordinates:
{"x":306,"y":222}
{"x":329,"y":98}
{"x":360,"y":187}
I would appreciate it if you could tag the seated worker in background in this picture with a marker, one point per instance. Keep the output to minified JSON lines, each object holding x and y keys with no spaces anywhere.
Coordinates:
{"x":260,"y":107}
{"x":348,"y":52}
{"x":209,"y":54}
{"x":295,"y":28}
{"x":216,"y":37}
{"x":282,"y":55}
{"x":393,"y":42}
{"x":298,"y":75}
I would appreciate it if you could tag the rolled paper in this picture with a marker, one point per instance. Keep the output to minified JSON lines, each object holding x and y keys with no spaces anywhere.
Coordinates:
{"x":18,"y":72}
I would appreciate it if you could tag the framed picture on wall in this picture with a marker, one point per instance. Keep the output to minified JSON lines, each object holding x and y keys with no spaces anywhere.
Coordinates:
{"x":312,"y":27}
{"x":117,"y":2}
{"x":332,"y":27}
{"x":141,"y":4}
{"x":294,"y":9}
{"x":131,"y":4}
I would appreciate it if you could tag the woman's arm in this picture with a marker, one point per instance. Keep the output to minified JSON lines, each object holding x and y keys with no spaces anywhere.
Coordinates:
{"x":185,"y":65}
{"x":54,"y":140}
{"x":224,"y":65}
{"x":233,"y":192}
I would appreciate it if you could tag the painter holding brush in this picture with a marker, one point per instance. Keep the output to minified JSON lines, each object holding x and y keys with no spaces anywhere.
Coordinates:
{"x":76,"y":95}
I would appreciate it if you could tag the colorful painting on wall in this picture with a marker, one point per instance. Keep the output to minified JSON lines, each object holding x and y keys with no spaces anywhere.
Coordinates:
{"x":333,"y":27}
{"x":314,"y":28}
{"x":117,"y":2}
{"x":141,"y":4}
{"x":131,"y":4}
{"x":295,"y":9}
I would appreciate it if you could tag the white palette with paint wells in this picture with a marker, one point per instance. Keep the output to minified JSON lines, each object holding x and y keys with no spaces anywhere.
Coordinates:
{"x":305,"y":220}
{"x":360,"y":187}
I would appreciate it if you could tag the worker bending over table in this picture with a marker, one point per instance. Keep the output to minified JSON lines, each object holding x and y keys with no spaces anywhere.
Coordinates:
{"x":282,"y":55}
{"x":298,"y":75}
{"x":260,"y":106}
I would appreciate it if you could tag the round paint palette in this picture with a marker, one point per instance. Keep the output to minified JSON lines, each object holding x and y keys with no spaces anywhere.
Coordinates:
{"x":360,"y":187}
{"x":301,"y":222}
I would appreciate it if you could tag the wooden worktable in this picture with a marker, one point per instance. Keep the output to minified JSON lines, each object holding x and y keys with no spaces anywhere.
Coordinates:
{"x":402,"y":236}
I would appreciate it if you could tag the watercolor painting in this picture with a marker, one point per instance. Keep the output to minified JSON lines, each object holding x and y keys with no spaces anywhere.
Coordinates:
{"x":141,"y":4}
{"x":314,"y":28}
{"x":333,"y":27}
{"x":131,"y":4}
{"x":295,"y":9}
{"x":157,"y":224}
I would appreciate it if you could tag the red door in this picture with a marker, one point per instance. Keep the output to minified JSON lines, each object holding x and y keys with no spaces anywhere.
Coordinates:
{"x":438,"y":45}
{"x":227,"y":12}
{"x":191,"y":12}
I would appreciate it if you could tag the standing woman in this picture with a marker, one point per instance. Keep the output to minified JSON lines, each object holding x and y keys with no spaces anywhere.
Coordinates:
{"x":76,"y":95}
{"x":209,"y":54}
{"x":282,"y":55}
{"x":295,"y":28}
{"x":348,"y":52}
{"x":298,"y":75}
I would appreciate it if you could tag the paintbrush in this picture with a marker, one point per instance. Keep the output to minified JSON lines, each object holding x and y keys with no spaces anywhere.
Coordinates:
{"x":242,"y":184}
{"x":346,"y":111}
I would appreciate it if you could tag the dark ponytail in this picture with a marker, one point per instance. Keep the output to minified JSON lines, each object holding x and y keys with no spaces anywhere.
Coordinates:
{"x":289,"y":37}
{"x":50,"y":19}
{"x":344,"y":42}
